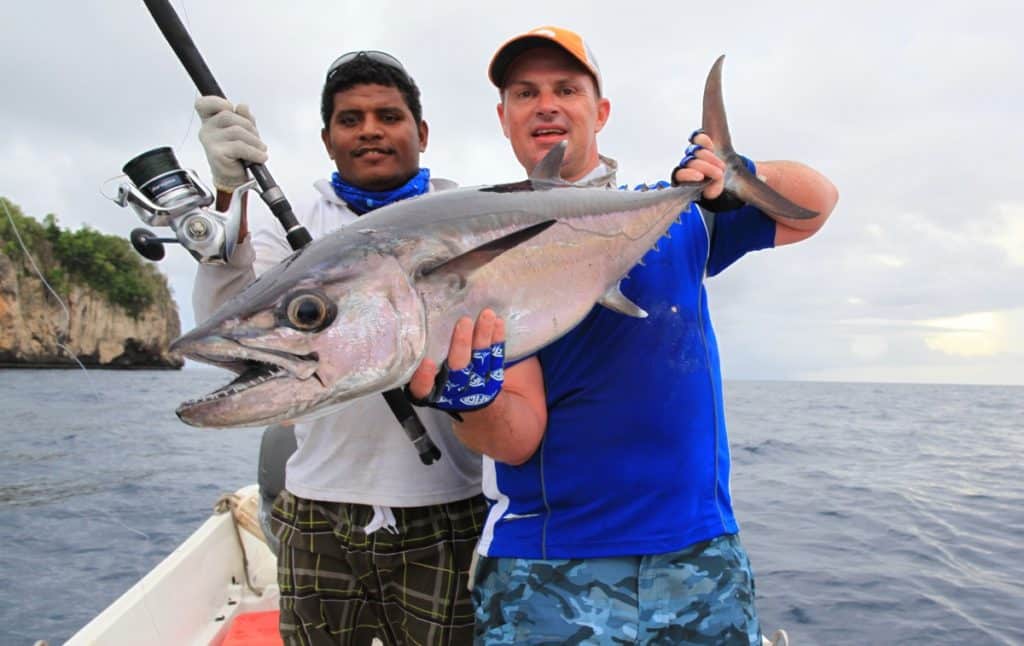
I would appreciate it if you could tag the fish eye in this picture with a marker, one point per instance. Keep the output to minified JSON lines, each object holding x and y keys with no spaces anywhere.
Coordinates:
{"x":309,"y":311}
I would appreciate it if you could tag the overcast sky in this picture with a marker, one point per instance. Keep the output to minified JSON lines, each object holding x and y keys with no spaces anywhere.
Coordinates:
{"x":913,"y":110}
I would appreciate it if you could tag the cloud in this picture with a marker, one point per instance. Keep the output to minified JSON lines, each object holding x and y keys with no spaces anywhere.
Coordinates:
{"x":917,"y":127}
{"x":980,"y":334}
{"x":1004,"y":230}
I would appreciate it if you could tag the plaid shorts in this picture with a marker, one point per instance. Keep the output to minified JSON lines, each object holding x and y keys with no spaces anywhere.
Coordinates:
{"x":342,"y":586}
{"x":700,"y":595}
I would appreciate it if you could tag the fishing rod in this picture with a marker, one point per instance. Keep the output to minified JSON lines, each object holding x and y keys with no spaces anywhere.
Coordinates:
{"x":162,"y":180}
{"x":180,"y":41}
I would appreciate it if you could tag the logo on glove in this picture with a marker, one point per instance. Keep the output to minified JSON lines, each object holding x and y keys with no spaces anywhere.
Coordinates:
{"x":471,"y":388}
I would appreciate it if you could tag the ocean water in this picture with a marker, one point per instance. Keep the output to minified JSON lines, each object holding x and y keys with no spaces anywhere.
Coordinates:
{"x":873,"y":513}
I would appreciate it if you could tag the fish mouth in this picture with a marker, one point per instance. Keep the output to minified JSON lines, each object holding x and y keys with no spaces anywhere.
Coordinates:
{"x":250,"y":375}
{"x":254,"y":367}
{"x":241,"y":354}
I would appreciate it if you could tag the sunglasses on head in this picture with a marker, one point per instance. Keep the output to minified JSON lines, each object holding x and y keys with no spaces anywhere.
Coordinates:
{"x":376,"y":56}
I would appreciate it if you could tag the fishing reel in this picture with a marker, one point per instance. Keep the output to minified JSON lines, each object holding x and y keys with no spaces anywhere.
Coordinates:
{"x":162,"y":193}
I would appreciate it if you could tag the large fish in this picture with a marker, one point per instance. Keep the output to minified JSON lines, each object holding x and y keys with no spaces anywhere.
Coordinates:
{"x":358,"y":310}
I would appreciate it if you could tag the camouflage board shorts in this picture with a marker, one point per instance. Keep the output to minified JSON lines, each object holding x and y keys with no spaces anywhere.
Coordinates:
{"x":340,"y":585}
{"x":703,"y":594}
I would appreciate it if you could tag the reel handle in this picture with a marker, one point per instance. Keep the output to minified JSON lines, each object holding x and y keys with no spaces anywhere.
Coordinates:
{"x":148,"y":244}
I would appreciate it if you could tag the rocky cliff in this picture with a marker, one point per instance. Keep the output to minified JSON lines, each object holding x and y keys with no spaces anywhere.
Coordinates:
{"x":34,"y":326}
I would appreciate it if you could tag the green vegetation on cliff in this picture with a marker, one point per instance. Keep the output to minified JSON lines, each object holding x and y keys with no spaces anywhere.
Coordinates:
{"x":106,"y":263}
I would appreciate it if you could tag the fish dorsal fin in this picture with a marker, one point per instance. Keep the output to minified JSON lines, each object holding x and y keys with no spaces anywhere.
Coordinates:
{"x":548,"y":173}
{"x":616,"y":301}
{"x":466,"y":263}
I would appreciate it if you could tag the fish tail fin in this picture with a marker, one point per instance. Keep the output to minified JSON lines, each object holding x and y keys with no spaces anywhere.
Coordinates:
{"x":738,"y":179}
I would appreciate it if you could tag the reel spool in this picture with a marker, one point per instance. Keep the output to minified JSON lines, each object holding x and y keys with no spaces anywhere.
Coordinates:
{"x":162,"y":193}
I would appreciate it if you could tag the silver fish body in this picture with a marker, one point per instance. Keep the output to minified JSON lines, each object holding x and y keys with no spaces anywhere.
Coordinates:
{"x":397,"y":281}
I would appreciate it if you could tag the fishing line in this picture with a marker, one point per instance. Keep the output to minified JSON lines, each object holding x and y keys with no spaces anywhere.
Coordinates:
{"x":150,"y":614}
{"x":61,"y":343}
{"x":192,"y":113}
{"x":188,"y":128}
{"x":107,"y":182}
{"x":111,"y":516}
{"x":145,"y":602}
{"x":145,"y":589}
{"x":61,"y":337}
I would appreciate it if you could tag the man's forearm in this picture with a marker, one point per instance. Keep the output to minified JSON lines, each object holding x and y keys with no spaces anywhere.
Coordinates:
{"x":801,"y":185}
{"x":506,"y":431}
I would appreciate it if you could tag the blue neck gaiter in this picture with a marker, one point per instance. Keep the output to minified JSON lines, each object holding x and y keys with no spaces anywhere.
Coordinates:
{"x":362,"y":201}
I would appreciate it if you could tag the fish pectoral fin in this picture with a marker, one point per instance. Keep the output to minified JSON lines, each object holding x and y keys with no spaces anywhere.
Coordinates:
{"x":616,"y":301}
{"x":548,"y":173}
{"x":466,"y":263}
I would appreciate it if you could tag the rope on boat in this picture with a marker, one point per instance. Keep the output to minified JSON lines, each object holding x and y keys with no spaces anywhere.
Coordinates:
{"x":230,"y":502}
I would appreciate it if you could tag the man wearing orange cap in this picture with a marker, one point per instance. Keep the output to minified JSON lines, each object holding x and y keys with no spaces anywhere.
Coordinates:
{"x":607,"y":461}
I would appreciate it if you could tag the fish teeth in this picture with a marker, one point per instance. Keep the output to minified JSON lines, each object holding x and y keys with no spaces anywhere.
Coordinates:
{"x":237,"y":386}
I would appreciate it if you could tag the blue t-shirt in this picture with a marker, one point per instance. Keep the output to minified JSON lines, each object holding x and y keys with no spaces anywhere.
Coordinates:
{"x":635,"y":458}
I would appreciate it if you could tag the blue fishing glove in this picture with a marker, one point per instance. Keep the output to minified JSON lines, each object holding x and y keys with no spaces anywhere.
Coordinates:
{"x":727,"y":201}
{"x":471,"y":388}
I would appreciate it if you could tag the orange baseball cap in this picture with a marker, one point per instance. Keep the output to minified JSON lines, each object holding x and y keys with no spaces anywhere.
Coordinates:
{"x":566,"y":39}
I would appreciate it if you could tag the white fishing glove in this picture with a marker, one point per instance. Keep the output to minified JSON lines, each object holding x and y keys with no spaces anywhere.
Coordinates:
{"x":229,"y":137}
